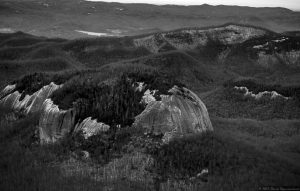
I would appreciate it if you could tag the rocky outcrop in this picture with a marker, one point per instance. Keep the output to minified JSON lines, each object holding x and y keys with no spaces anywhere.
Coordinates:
{"x":271,"y":94}
{"x":91,"y":127}
{"x":192,"y":38}
{"x":30,"y":103}
{"x":7,"y":90}
{"x":55,"y":123}
{"x":178,"y":114}
{"x":148,"y":96}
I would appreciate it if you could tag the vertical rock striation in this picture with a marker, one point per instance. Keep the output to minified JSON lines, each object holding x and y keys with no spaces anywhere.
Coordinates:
{"x":178,"y":114}
{"x":7,"y":90}
{"x":30,"y":103}
{"x":91,"y":127}
{"x":55,"y":123}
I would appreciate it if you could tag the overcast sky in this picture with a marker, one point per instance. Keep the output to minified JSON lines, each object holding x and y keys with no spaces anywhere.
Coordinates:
{"x":291,"y":4}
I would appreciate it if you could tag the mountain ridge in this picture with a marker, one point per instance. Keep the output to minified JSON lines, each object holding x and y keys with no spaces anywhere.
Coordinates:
{"x":225,"y":100}
{"x":231,"y":44}
{"x":63,"y":18}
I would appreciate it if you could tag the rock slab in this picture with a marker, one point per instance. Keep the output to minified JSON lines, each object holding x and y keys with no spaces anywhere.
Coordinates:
{"x":178,"y":114}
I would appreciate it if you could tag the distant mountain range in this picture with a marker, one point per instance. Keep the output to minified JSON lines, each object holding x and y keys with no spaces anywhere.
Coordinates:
{"x":200,"y":57}
{"x":216,"y":61}
{"x":168,"y":103}
{"x":78,"y":18}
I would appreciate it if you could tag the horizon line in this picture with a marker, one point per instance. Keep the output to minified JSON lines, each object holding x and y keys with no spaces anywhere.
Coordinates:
{"x":190,"y":5}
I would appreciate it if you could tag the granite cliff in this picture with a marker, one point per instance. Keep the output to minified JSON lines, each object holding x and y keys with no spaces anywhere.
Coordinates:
{"x":54,"y":123}
{"x":175,"y":115}
{"x":28,"y":103}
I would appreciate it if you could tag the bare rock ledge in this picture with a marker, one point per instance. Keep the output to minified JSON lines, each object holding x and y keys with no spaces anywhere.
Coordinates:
{"x":178,"y":114}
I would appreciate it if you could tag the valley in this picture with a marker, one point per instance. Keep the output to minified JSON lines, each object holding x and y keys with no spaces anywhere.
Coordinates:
{"x":210,"y":107}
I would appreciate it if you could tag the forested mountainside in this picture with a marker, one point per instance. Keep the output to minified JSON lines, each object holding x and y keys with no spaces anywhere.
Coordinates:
{"x":200,"y":57}
{"x":225,"y":100}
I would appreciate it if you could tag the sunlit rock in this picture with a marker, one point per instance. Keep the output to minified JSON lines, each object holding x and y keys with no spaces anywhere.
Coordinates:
{"x":91,"y":127}
{"x":262,"y":46}
{"x":280,"y":40}
{"x":55,"y":123}
{"x":178,"y":114}
{"x":271,"y":94}
{"x":148,"y":96}
{"x":7,"y":90}
{"x":30,"y":103}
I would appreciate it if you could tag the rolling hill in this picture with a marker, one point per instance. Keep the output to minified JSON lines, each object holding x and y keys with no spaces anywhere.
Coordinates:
{"x":87,"y":96}
{"x":77,"y":18}
{"x":216,"y":53}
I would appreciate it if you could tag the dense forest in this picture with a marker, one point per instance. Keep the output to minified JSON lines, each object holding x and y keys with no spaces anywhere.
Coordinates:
{"x":255,"y":141}
{"x":113,"y":101}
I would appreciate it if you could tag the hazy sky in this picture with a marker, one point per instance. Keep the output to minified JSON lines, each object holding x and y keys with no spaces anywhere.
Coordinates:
{"x":291,"y":4}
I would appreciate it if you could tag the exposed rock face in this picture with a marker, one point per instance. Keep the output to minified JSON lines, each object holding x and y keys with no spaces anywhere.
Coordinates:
{"x":272,"y":94}
{"x":175,"y":115}
{"x":192,"y":38}
{"x":30,"y":103}
{"x":55,"y":123}
{"x":7,"y":90}
{"x":148,"y":96}
{"x":91,"y":127}
{"x":180,"y":113}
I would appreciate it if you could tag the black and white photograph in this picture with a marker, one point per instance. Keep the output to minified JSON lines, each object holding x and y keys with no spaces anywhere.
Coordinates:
{"x":149,"y":95}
